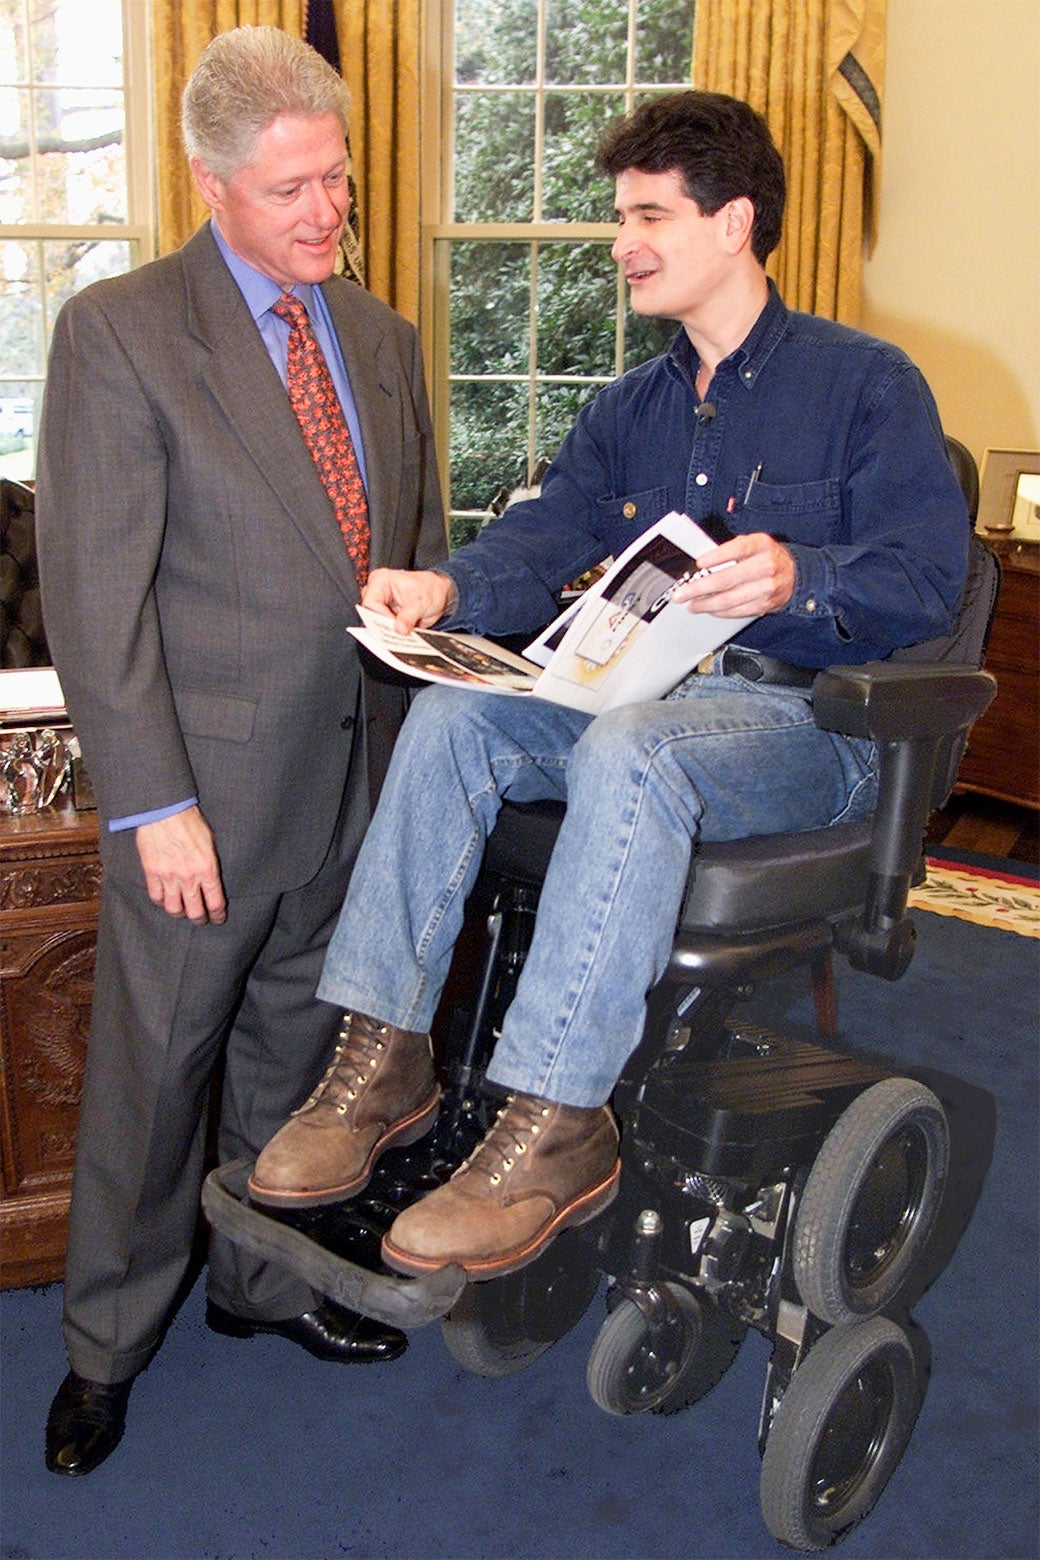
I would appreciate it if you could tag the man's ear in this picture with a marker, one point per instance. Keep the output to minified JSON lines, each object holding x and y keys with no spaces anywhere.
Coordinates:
{"x":740,"y":219}
{"x":208,"y":185}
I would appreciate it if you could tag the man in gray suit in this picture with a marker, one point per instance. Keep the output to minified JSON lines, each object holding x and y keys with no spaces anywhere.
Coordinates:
{"x":197,"y":592}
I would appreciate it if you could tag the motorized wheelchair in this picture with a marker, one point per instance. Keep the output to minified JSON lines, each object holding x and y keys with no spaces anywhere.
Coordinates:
{"x":768,"y":1182}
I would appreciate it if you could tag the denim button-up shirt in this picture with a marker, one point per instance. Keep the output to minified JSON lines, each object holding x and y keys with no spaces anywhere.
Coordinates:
{"x":824,"y":437}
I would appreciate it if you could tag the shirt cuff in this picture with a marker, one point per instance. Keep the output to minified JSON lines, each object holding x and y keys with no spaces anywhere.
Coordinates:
{"x":115,"y":825}
{"x":464,"y":613}
{"x":453,"y":605}
{"x":813,"y":585}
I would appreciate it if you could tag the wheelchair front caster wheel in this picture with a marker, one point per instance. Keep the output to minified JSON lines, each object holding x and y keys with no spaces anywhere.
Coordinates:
{"x":504,"y":1325}
{"x":870,"y":1201}
{"x":839,"y":1432}
{"x":634,"y":1367}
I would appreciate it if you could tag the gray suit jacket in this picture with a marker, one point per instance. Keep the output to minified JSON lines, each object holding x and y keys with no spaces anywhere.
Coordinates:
{"x":196,"y":588}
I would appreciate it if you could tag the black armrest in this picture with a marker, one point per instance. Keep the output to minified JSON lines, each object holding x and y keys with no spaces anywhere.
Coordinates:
{"x":919,"y":714}
{"x":894,"y":701}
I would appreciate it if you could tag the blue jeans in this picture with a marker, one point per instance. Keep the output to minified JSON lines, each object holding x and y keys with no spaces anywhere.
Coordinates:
{"x":725,"y":760}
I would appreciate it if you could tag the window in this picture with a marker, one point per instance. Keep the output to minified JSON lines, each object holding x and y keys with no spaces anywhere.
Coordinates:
{"x":75,"y":180}
{"x":524,"y":308}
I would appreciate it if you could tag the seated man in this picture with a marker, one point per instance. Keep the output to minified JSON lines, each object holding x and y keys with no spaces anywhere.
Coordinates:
{"x":821,"y":448}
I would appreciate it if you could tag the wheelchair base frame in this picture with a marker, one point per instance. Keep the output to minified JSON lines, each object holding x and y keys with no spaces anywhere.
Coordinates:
{"x":714,"y":1130}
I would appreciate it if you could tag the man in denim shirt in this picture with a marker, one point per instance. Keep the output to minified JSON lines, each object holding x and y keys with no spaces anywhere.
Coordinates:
{"x":821,"y":450}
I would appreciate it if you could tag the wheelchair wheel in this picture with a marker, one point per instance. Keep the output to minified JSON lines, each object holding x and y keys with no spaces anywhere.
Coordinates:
{"x":504,"y":1325}
{"x":870,"y":1201}
{"x":631,"y":1371}
{"x":839,"y":1432}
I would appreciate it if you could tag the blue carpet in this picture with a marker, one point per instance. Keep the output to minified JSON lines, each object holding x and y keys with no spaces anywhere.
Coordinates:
{"x":252,"y":1451}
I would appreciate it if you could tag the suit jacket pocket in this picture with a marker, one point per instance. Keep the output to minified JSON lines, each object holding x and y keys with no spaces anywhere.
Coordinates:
{"x":223,"y":715}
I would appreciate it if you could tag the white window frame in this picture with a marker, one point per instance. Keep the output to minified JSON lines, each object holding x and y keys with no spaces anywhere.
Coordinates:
{"x":438,"y":231}
{"x":138,"y":232}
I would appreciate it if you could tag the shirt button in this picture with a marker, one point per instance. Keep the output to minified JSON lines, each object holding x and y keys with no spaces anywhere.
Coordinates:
{"x":701,"y":479}
{"x":810,"y":605}
{"x":629,"y":511}
{"x":749,"y":374}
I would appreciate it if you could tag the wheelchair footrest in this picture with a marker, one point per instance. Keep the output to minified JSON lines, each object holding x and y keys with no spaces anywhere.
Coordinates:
{"x":400,"y":1302}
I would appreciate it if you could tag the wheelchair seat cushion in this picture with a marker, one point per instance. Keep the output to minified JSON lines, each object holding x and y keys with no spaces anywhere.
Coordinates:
{"x":740,"y":885}
{"x":778,"y":880}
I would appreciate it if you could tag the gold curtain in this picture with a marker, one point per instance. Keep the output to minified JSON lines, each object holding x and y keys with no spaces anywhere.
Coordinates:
{"x":815,"y":70}
{"x":181,"y":30}
{"x":379,"y":57}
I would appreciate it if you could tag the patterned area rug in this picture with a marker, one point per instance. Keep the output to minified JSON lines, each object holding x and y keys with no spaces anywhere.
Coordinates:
{"x":980,"y":895}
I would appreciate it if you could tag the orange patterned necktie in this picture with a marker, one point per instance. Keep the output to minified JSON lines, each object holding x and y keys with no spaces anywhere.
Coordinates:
{"x":325,"y":431}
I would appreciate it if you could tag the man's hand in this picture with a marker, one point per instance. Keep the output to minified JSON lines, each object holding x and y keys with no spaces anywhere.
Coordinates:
{"x":750,"y":575}
{"x":414,"y":598}
{"x":180,"y":864}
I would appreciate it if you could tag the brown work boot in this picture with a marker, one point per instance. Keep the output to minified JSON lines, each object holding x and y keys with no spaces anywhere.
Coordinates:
{"x":379,"y":1090}
{"x":541,"y":1168}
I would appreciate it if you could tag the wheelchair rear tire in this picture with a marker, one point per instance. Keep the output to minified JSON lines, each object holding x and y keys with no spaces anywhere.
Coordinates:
{"x":870,"y":1201}
{"x":502,"y":1326}
{"x":629,"y":1372}
{"x":839,"y":1432}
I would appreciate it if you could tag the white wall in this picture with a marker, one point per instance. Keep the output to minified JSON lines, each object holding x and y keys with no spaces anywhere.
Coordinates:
{"x":955,"y":274}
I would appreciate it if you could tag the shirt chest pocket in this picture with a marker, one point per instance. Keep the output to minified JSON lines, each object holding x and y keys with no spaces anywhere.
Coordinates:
{"x":624,"y":516}
{"x":794,"y":511}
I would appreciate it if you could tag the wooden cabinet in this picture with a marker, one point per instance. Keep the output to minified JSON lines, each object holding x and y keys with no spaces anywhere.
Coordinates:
{"x":1003,"y":757}
{"x":50,"y":878}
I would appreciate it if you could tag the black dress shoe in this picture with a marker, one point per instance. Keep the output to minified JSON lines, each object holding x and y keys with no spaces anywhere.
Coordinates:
{"x":85,"y":1423}
{"x":329,"y":1332}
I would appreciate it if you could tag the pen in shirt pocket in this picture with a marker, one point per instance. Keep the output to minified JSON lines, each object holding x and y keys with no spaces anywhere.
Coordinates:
{"x":751,"y":483}
{"x":732,"y":503}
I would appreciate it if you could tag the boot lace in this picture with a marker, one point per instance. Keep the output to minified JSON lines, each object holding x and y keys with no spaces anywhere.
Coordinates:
{"x":517,"y":1124}
{"x":354,"y":1061}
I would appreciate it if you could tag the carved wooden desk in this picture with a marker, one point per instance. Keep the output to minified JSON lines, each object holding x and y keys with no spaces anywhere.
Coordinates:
{"x":50,"y":877}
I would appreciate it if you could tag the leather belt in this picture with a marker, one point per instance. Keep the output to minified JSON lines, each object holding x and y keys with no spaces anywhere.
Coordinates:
{"x":735,"y":661}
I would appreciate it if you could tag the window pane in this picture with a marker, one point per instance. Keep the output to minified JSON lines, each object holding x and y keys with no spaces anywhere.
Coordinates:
{"x":488,"y":442}
{"x":490,"y":308}
{"x":78,"y":44}
{"x":577,"y":304}
{"x":16,"y":196}
{"x":494,"y":157}
{"x":496,"y":44}
{"x":63,"y":165}
{"x":578,"y":85}
{"x":14,"y":43}
{"x":82,"y":168}
{"x":556,"y":408}
{"x":571,"y":190}
{"x":74,"y":105}
{"x":19,"y":421}
{"x":664,"y":40}
{"x":21,"y":329}
{"x":646,"y":338}
{"x":585,"y":40}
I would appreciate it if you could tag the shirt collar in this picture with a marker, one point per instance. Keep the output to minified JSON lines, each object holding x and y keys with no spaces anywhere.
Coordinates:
{"x":763,"y":338}
{"x":754,"y":351}
{"x":258,"y":290}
